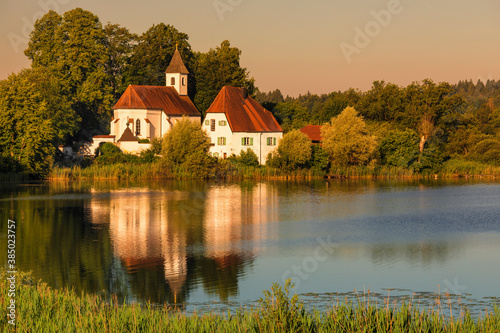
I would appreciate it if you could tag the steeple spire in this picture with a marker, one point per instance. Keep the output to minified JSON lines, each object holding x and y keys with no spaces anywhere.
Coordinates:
{"x":177,"y":73}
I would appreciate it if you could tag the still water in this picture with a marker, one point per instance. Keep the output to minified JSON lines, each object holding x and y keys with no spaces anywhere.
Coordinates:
{"x":199,"y":243}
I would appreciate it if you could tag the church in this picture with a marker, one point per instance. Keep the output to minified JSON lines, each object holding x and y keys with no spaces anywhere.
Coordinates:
{"x":146,"y":112}
{"x":234,"y":121}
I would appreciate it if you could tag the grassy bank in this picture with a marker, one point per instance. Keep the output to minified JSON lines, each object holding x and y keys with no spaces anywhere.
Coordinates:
{"x":229,"y":171}
{"x":42,"y":309}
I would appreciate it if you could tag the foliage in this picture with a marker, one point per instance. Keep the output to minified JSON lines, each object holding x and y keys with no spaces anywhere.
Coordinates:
{"x":246,"y":158}
{"x":293,"y":152}
{"x":347,"y":141}
{"x":41,"y":308}
{"x":279,"y":310}
{"x":27,"y":133}
{"x":216,"y":69}
{"x":320,"y":160}
{"x":153,"y":52}
{"x":156,"y":146}
{"x":72,"y":48}
{"x":399,"y":148}
{"x":107,"y":148}
{"x":487,"y":151}
{"x":186,"y":144}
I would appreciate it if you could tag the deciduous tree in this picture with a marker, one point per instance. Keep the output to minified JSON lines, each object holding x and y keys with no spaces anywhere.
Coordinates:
{"x":347,"y":140}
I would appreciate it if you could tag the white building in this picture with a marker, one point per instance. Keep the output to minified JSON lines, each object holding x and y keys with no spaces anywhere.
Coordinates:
{"x":147,"y":112}
{"x":236,"y":122}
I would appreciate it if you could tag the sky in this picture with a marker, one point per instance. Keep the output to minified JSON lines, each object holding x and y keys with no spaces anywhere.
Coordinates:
{"x":298,"y":46}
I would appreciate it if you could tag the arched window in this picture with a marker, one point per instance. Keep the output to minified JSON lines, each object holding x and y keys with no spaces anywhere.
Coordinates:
{"x":172,"y":81}
{"x":137,"y":127}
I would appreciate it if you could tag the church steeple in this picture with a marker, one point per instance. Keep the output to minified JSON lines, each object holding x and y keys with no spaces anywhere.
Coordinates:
{"x":177,"y":74}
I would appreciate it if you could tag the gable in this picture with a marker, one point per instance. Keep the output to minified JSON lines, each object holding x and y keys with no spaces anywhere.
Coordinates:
{"x":243,"y":113}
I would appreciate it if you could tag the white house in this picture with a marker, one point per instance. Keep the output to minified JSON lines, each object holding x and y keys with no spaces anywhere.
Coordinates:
{"x":147,"y":112}
{"x":236,"y":122}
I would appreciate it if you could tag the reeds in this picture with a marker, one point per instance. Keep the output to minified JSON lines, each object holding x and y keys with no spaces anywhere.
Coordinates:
{"x":42,"y":309}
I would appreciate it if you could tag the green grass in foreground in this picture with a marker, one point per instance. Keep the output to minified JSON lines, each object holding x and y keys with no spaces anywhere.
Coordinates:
{"x":42,"y":309}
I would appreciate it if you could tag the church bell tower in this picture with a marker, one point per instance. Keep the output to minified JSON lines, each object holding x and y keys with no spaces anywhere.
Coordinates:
{"x":177,"y":74}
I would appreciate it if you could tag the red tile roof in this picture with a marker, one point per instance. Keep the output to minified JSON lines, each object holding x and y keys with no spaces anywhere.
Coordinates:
{"x":243,"y":113}
{"x":313,"y":132}
{"x":157,"y":98}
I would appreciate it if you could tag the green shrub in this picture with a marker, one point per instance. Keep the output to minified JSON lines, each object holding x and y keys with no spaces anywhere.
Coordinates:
{"x":107,"y":148}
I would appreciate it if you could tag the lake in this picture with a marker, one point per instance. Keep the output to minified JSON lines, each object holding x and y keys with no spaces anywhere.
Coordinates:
{"x":207,"y":244}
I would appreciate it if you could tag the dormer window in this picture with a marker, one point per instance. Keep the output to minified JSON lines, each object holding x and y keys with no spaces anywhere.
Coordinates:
{"x":172,"y":81}
{"x":183,"y":81}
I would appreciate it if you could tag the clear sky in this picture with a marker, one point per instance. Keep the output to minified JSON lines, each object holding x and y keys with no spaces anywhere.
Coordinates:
{"x":299,"y":46}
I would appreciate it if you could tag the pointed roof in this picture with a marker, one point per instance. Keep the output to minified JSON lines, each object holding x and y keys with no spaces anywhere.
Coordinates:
{"x":243,"y":113}
{"x":176,"y":64}
{"x":157,"y":98}
{"x":127,"y":136}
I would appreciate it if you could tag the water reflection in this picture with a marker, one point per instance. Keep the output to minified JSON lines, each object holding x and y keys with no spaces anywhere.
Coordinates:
{"x":211,"y":233}
{"x":181,"y":242}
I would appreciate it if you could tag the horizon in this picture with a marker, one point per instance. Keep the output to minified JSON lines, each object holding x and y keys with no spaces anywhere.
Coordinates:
{"x":298,"y":47}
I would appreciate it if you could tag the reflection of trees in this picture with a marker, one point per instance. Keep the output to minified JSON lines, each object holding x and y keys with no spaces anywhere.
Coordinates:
{"x":424,"y":253}
{"x":54,"y":240}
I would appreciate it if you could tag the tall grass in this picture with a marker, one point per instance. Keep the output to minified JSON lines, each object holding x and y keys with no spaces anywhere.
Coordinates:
{"x":111,"y":171}
{"x":231,"y":171}
{"x":42,"y":309}
{"x":461,"y":167}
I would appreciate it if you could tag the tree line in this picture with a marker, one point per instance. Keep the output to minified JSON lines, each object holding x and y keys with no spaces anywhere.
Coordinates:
{"x":80,"y":68}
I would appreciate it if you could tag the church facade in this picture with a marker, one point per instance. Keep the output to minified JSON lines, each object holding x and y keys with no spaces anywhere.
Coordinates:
{"x":146,"y":112}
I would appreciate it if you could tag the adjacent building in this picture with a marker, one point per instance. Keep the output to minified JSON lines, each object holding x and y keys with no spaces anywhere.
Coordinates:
{"x":236,"y":122}
{"x":313,"y":132}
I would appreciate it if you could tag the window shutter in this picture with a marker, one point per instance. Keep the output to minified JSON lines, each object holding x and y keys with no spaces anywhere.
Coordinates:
{"x":251,"y":141}
{"x":274,"y":141}
{"x":242,"y":141}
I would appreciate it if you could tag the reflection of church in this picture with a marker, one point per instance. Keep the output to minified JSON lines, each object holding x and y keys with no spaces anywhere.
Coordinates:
{"x":151,"y":231}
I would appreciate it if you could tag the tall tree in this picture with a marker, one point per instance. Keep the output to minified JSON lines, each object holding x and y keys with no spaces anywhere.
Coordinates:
{"x":73,"y":49}
{"x":120,"y":44}
{"x":216,"y":69}
{"x":27,"y":132}
{"x":153,"y":52}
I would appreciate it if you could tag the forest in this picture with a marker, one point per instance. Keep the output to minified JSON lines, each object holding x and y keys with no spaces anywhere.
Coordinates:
{"x":80,"y":67}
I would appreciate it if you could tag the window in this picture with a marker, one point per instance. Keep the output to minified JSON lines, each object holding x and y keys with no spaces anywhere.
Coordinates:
{"x":172,"y":81}
{"x":183,"y":81}
{"x":221,"y":141}
{"x":271,"y":141}
{"x":207,"y":122}
{"x":222,"y":123}
{"x":212,"y":125}
{"x":137,"y":127}
{"x":247,"y":141}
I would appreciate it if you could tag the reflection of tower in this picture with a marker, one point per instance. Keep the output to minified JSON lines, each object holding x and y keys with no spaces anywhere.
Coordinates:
{"x":173,"y":247}
{"x":135,"y":228}
{"x":144,"y":234}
